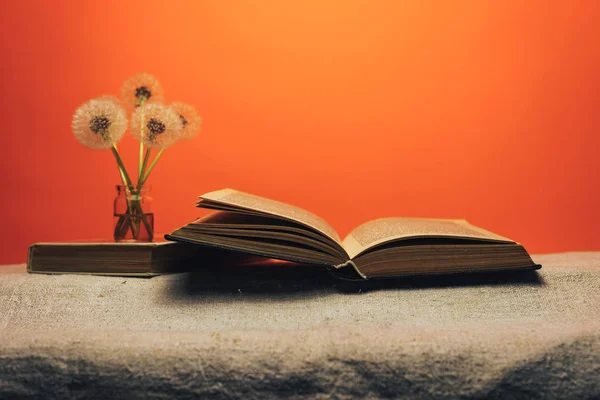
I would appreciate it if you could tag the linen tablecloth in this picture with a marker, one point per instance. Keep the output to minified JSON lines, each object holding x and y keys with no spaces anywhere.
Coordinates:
{"x":260,"y":334}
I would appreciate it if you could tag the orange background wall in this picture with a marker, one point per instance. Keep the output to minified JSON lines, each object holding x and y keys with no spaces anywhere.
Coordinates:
{"x":484,"y":110}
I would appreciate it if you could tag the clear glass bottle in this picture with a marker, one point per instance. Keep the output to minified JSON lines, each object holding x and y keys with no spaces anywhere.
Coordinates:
{"x":132,"y":214}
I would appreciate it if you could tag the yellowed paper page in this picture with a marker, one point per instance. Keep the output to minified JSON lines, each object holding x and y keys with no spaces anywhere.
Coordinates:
{"x":256,"y":203}
{"x":384,"y":230}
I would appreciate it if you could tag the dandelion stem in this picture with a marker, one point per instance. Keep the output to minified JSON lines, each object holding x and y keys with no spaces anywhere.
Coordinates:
{"x":143,"y":160}
{"x":142,"y":123}
{"x":151,"y":166}
{"x":144,"y":164}
{"x":140,"y":168}
{"x":122,"y":176}
{"x":121,"y":166}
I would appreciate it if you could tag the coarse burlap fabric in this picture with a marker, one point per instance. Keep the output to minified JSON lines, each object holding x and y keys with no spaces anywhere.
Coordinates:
{"x":214,"y":334}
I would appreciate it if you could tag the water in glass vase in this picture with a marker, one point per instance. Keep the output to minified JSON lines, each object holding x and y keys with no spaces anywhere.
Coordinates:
{"x":133,"y":216}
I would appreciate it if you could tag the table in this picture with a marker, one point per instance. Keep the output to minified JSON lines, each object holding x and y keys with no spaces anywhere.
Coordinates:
{"x":211,"y":334}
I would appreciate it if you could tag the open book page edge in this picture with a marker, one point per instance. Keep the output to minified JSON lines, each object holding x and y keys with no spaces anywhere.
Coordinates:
{"x":483,"y":231}
{"x":219,"y":196}
{"x":236,"y":248}
{"x":354,"y":248}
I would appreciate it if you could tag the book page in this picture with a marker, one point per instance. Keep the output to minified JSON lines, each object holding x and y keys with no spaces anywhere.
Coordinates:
{"x":385,"y":230}
{"x":256,"y":203}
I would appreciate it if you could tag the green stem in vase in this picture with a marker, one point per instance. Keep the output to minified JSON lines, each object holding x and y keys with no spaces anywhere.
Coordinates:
{"x":119,"y":224}
{"x":128,"y":186}
{"x":128,"y":221}
{"x":121,"y":227}
{"x":128,"y":217}
{"x":142,"y":216}
{"x":139,"y":190}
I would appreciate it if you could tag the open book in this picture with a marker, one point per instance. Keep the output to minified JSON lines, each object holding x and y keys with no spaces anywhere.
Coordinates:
{"x":382,"y":248}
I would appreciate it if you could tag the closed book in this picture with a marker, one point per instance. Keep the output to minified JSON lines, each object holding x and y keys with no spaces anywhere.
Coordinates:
{"x":109,"y":258}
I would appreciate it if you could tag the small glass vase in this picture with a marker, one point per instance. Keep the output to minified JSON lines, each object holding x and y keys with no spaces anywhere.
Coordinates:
{"x":133,"y":216}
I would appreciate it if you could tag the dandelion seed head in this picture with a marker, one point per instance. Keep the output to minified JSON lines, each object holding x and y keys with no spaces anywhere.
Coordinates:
{"x":142,"y":93}
{"x":161,"y":125}
{"x":141,"y":89}
{"x":99,"y":123}
{"x":189,"y":119}
{"x":184,"y":121}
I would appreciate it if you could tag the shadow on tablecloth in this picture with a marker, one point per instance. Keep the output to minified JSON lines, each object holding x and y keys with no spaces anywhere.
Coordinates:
{"x":225,"y":273}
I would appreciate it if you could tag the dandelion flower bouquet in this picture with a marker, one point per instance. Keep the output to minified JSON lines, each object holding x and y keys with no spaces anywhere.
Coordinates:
{"x":100,"y":123}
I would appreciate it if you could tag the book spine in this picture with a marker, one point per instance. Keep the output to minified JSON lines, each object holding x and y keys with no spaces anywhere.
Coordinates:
{"x":30,"y":258}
